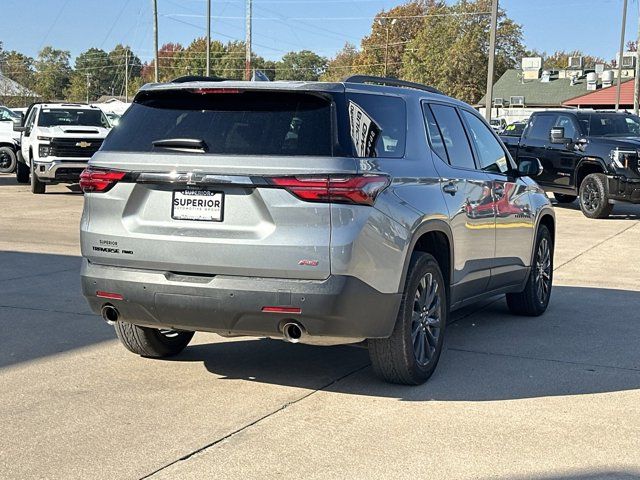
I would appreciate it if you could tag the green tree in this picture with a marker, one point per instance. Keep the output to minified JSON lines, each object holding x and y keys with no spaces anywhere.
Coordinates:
{"x":303,"y":65}
{"x":119,"y":56}
{"x":343,"y":64}
{"x":193,"y":59}
{"x":52,"y":73}
{"x":91,"y":77}
{"x":450,"y":52}
{"x":18,"y":67}
{"x":232,"y":64}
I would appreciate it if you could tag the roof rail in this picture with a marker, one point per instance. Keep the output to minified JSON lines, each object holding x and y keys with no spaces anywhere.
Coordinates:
{"x":391,"y":82}
{"x":197,"y":78}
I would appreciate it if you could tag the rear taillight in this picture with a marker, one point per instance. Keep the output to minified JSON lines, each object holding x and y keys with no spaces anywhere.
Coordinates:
{"x":97,"y":180}
{"x":356,"y":189}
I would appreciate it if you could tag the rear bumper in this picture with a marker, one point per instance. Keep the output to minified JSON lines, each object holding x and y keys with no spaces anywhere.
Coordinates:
{"x":623,"y":189}
{"x":340,"y":309}
{"x":60,"y":170}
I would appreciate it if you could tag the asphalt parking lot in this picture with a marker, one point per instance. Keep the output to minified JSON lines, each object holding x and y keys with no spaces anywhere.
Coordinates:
{"x":554,"y":397}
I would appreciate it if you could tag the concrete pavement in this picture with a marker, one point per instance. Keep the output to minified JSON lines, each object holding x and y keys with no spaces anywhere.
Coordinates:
{"x":554,"y":397}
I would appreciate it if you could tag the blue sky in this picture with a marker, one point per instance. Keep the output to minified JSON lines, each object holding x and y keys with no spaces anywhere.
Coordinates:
{"x":284,"y":25}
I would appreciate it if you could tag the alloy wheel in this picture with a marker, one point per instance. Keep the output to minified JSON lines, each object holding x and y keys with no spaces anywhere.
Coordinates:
{"x":590,"y":196}
{"x":5,"y":160}
{"x":543,"y":271}
{"x":425,"y":319}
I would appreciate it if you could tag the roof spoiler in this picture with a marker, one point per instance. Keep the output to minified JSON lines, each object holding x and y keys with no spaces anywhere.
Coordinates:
{"x":390,"y":82}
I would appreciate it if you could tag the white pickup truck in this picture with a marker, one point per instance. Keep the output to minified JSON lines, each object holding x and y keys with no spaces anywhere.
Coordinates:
{"x":57,"y":140}
{"x":9,"y":140}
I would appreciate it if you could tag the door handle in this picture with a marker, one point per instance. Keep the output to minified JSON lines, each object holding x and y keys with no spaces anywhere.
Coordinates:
{"x":450,"y":188}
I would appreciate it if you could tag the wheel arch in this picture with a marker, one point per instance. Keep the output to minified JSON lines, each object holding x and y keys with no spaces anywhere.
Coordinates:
{"x":548,"y":219}
{"x":587,"y":166}
{"x":434,"y":237}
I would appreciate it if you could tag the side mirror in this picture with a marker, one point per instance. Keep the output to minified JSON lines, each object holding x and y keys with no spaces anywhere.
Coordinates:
{"x":530,"y":167}
{"x":18,"y":125}
{"x":557,"y":135}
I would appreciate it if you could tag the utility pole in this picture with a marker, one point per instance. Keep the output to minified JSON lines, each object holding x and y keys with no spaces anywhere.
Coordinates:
{"x":155,"y":37}
{"x":636,"y":87}
{"x":88,"y":83}
{"x":492,"y":54}
{"x":247,"y":62}
{"x":624,"y":22}
{"x":208,"y":38}
{"x":126,"y":76}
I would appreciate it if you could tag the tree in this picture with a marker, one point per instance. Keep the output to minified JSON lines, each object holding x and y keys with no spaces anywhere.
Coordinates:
{"x":92,"y":76}
{"x":343,"y":64}
{"x":18,"y":67}
{"x":52,"y":73}
{"x":168,"y":57}
{"x":120,"y":55}
{"x":402,"y":24}
{"x":450,"y":52}
{"x":233,"y":62}
{"x":303,"y":65}
{"x":193,"y":60}
{"x":560,"y":59}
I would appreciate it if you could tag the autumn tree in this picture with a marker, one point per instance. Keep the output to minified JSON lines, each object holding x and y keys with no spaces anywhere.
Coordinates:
{"x":560,"y":59}
{"x":391,"y":32}
{"x":450,"y":52}
{"x":343,"y":64}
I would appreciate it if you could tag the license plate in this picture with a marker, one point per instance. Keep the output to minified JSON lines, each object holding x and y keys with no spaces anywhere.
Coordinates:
{"x":200,"y":205}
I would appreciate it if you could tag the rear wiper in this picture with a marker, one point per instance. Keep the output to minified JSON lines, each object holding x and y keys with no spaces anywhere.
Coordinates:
{"x":182,"y":143}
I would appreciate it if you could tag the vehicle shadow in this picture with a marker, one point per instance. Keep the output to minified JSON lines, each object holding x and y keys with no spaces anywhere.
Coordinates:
{"x":8,"y":179}
{"x":608,"y":474}
{"x":587,"y":342}
{"x":621,"y":211}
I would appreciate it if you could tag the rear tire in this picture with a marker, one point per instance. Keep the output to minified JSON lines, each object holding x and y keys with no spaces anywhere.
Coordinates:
{"x":37,"y":186}
{"x":410,"y":355}
{"x":534,"y":299}
{"x":594,"y":196}
{"x":151,"y":342}
{"x":7,"y":160}
{"x":562,"y":198}
{"x":22,"y":170}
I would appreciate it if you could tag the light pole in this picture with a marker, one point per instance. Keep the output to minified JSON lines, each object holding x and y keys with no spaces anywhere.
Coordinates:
{"x":384,"y":22}
{"x":492,"y":54}
{"x":621,"y":54}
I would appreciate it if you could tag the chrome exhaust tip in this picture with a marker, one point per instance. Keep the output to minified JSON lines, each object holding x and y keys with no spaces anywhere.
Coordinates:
{"x":292,"y":332}
{"x":109,"y":314}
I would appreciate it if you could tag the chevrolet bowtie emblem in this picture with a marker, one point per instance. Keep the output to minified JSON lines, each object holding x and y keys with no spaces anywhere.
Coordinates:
{"x":83,"y":144}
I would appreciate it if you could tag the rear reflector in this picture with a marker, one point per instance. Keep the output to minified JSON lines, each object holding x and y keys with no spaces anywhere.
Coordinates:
{"x":356,"y":189}
{"x":98,"y":180}
{"x":109,"y":295}
{"x":281,"y":310}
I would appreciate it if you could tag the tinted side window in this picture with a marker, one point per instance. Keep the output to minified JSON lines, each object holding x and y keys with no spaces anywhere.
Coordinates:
{"x":435,"y":138}
{"x":540,"y":126}
{"x":454,"y":136}
{"x":378,"y":125}
{"x":490,"y":154}
{"x":569,"y":127}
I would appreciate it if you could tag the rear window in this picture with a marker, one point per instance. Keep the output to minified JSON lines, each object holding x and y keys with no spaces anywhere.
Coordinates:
{"x":378,"y":125}
{"x":232,"y":123}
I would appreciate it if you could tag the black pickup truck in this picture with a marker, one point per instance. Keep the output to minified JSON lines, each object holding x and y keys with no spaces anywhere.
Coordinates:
{"x":594,"y":155}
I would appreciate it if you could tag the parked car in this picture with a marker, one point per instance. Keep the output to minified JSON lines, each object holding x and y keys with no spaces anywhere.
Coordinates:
{"x":9,"y":140}
{"x":57,"y":140}
{"x":586,"y":153}
{"x":514,"y":129}
{"x":312,"y":212}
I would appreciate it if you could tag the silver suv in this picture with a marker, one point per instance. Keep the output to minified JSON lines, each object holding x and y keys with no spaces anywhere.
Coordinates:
{"x":320,"y":213}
